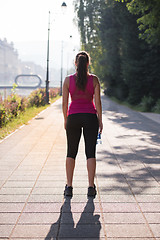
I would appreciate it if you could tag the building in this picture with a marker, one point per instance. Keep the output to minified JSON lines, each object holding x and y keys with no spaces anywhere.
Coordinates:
{"x":11,"y":65}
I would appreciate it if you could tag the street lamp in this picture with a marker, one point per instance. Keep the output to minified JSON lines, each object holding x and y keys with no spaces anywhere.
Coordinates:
{"x":47,"y":73}
{"x":63,"y":6}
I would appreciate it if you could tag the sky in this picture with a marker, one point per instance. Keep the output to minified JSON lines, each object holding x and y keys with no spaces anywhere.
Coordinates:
{"x":25,"y":23}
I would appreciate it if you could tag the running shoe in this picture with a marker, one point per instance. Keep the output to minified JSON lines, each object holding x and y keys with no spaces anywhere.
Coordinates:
{"x":92,"y":191}
{"x":68,"y":192}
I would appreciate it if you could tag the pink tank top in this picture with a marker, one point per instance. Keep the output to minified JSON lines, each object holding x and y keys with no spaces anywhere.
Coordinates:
{"x":81,"y":101}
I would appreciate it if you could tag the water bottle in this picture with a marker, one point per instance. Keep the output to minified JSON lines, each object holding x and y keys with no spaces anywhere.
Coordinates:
{"x":99,"y":140}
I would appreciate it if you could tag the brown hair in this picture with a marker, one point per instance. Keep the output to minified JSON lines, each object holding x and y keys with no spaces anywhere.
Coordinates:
{"x":82,"y":61}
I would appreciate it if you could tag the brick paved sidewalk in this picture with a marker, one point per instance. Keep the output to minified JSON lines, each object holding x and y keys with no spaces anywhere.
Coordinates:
{"x":32,"y":179}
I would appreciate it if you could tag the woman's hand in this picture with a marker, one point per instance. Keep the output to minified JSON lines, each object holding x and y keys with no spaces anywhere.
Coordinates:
{"x":65,"y":123}
{"x":100,"y":126}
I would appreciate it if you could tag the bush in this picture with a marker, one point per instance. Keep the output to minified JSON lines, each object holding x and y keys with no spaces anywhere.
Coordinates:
{"x":24,"y":104}
{"x":37,"y":98}
{"x":14,"y":104}
{"x":2,"y":116}
{"x":53,"y":92}
{"x":147,"y":104}
{"x":157,"y":106}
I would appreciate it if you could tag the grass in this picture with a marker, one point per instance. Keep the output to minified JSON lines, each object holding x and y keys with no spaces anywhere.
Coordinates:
{"x":137,"y":108}
{"x":23,"y":118}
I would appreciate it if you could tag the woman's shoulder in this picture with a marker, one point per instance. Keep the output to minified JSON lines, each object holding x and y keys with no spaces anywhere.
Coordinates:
{"x":71,"y":76}
{"x":68,"y":80}
{"x":95,"y":79}
{"x":68,"y":77}
{"x":93,"y":76}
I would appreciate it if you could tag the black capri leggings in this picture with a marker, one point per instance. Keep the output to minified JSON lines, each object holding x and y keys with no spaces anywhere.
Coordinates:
{"x":90,"y":125}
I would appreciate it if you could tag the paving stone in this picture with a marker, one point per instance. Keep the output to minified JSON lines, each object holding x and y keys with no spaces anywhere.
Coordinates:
{"x":150,"y":207}
{"x":35,"y":231}
{"x":26,"y":172}
{"x":130,"y":238}
{"x":8,"y":218}
{"x":48,"y":191}
{"x":43,"y":207}
{"x":16,"y":191}
{"x":120,"y":207}
{"x":46,"y":198}
{"x":48,"y":184}
{"x":112,"y":184}
{"x":115,"y":191}
{"x":3,"y":178}
{"x":19,"y":184}
{"x":39,"y":238}
{"x":81,"y":218}
{"x":5,"y":173}
{"x":127,"y":231}
{"x":148,"y":198}
{"x":153,"y":217}
{"x":23,"y":178}
{"x":81,"y":207}
{"x":156,"y":229}
{"x":11,"y":207}
{"x":82,"y":198}
{"x":118,"y":177}
{"x":52,"y":178}
{"x":117,"y":198}
{"x":54,"y":172}
{"x":5,"y":231}
{"x":84,"y":238}
{"x":123,"y":218}
{"x":39,"y":218}
{"x":144,"y":184}
{"x":150,"y":190}
{"x":81,"y":231}
{"x":13,"y":198}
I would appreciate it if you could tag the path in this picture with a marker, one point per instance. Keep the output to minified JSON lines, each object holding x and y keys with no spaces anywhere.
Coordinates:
{"x":32,"y":179}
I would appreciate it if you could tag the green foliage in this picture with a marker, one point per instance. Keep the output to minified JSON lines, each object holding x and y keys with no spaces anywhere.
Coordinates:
{"x":2,"y":116}
{"x":11,"y":107}
{"x":54,"y":92}
{"x":13,"y":90}
{"x":147,"y":104}
{"x":37,"y":98}
{"x":122,"y":38}
{"x":88,"y":14}
{"x":148,"y":20}
{"x":157,"y":106}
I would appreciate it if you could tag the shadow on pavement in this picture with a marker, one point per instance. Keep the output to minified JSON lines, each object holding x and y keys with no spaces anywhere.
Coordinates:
{"x":88,"y":225}
{"x":136,"y":149}
{"x":130,"y":119}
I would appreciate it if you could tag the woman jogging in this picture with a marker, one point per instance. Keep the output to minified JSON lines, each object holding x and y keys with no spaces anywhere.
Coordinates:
{"x":82,"y":114}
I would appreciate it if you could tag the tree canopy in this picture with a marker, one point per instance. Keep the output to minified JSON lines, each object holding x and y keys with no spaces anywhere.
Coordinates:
{"x":123,"y":39}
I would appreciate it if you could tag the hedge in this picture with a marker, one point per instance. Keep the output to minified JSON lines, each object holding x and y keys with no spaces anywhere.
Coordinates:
{"x":14,"y":104}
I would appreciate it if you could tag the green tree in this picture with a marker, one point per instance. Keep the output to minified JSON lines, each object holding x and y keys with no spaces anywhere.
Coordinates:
{"x":149,"y":20}
{"x":88,"y":13}
{"x":122,"y":38}
{"x":110,"y":39}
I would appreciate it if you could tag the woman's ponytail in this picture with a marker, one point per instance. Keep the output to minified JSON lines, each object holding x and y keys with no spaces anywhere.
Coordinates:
{"x":82,"y":62}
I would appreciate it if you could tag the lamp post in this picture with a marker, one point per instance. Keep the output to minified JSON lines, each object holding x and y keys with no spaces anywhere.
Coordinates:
{"x":61,"y":69}
{"x":47,"y":73}
{"x":63,"y":6}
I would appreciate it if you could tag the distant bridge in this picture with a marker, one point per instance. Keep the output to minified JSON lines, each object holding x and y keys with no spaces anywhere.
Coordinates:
{"x":38,"y":85}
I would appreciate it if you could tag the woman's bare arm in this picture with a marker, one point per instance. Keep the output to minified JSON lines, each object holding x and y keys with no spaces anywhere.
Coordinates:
{"x":65,"y":97}
{"x":98,"y":104}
